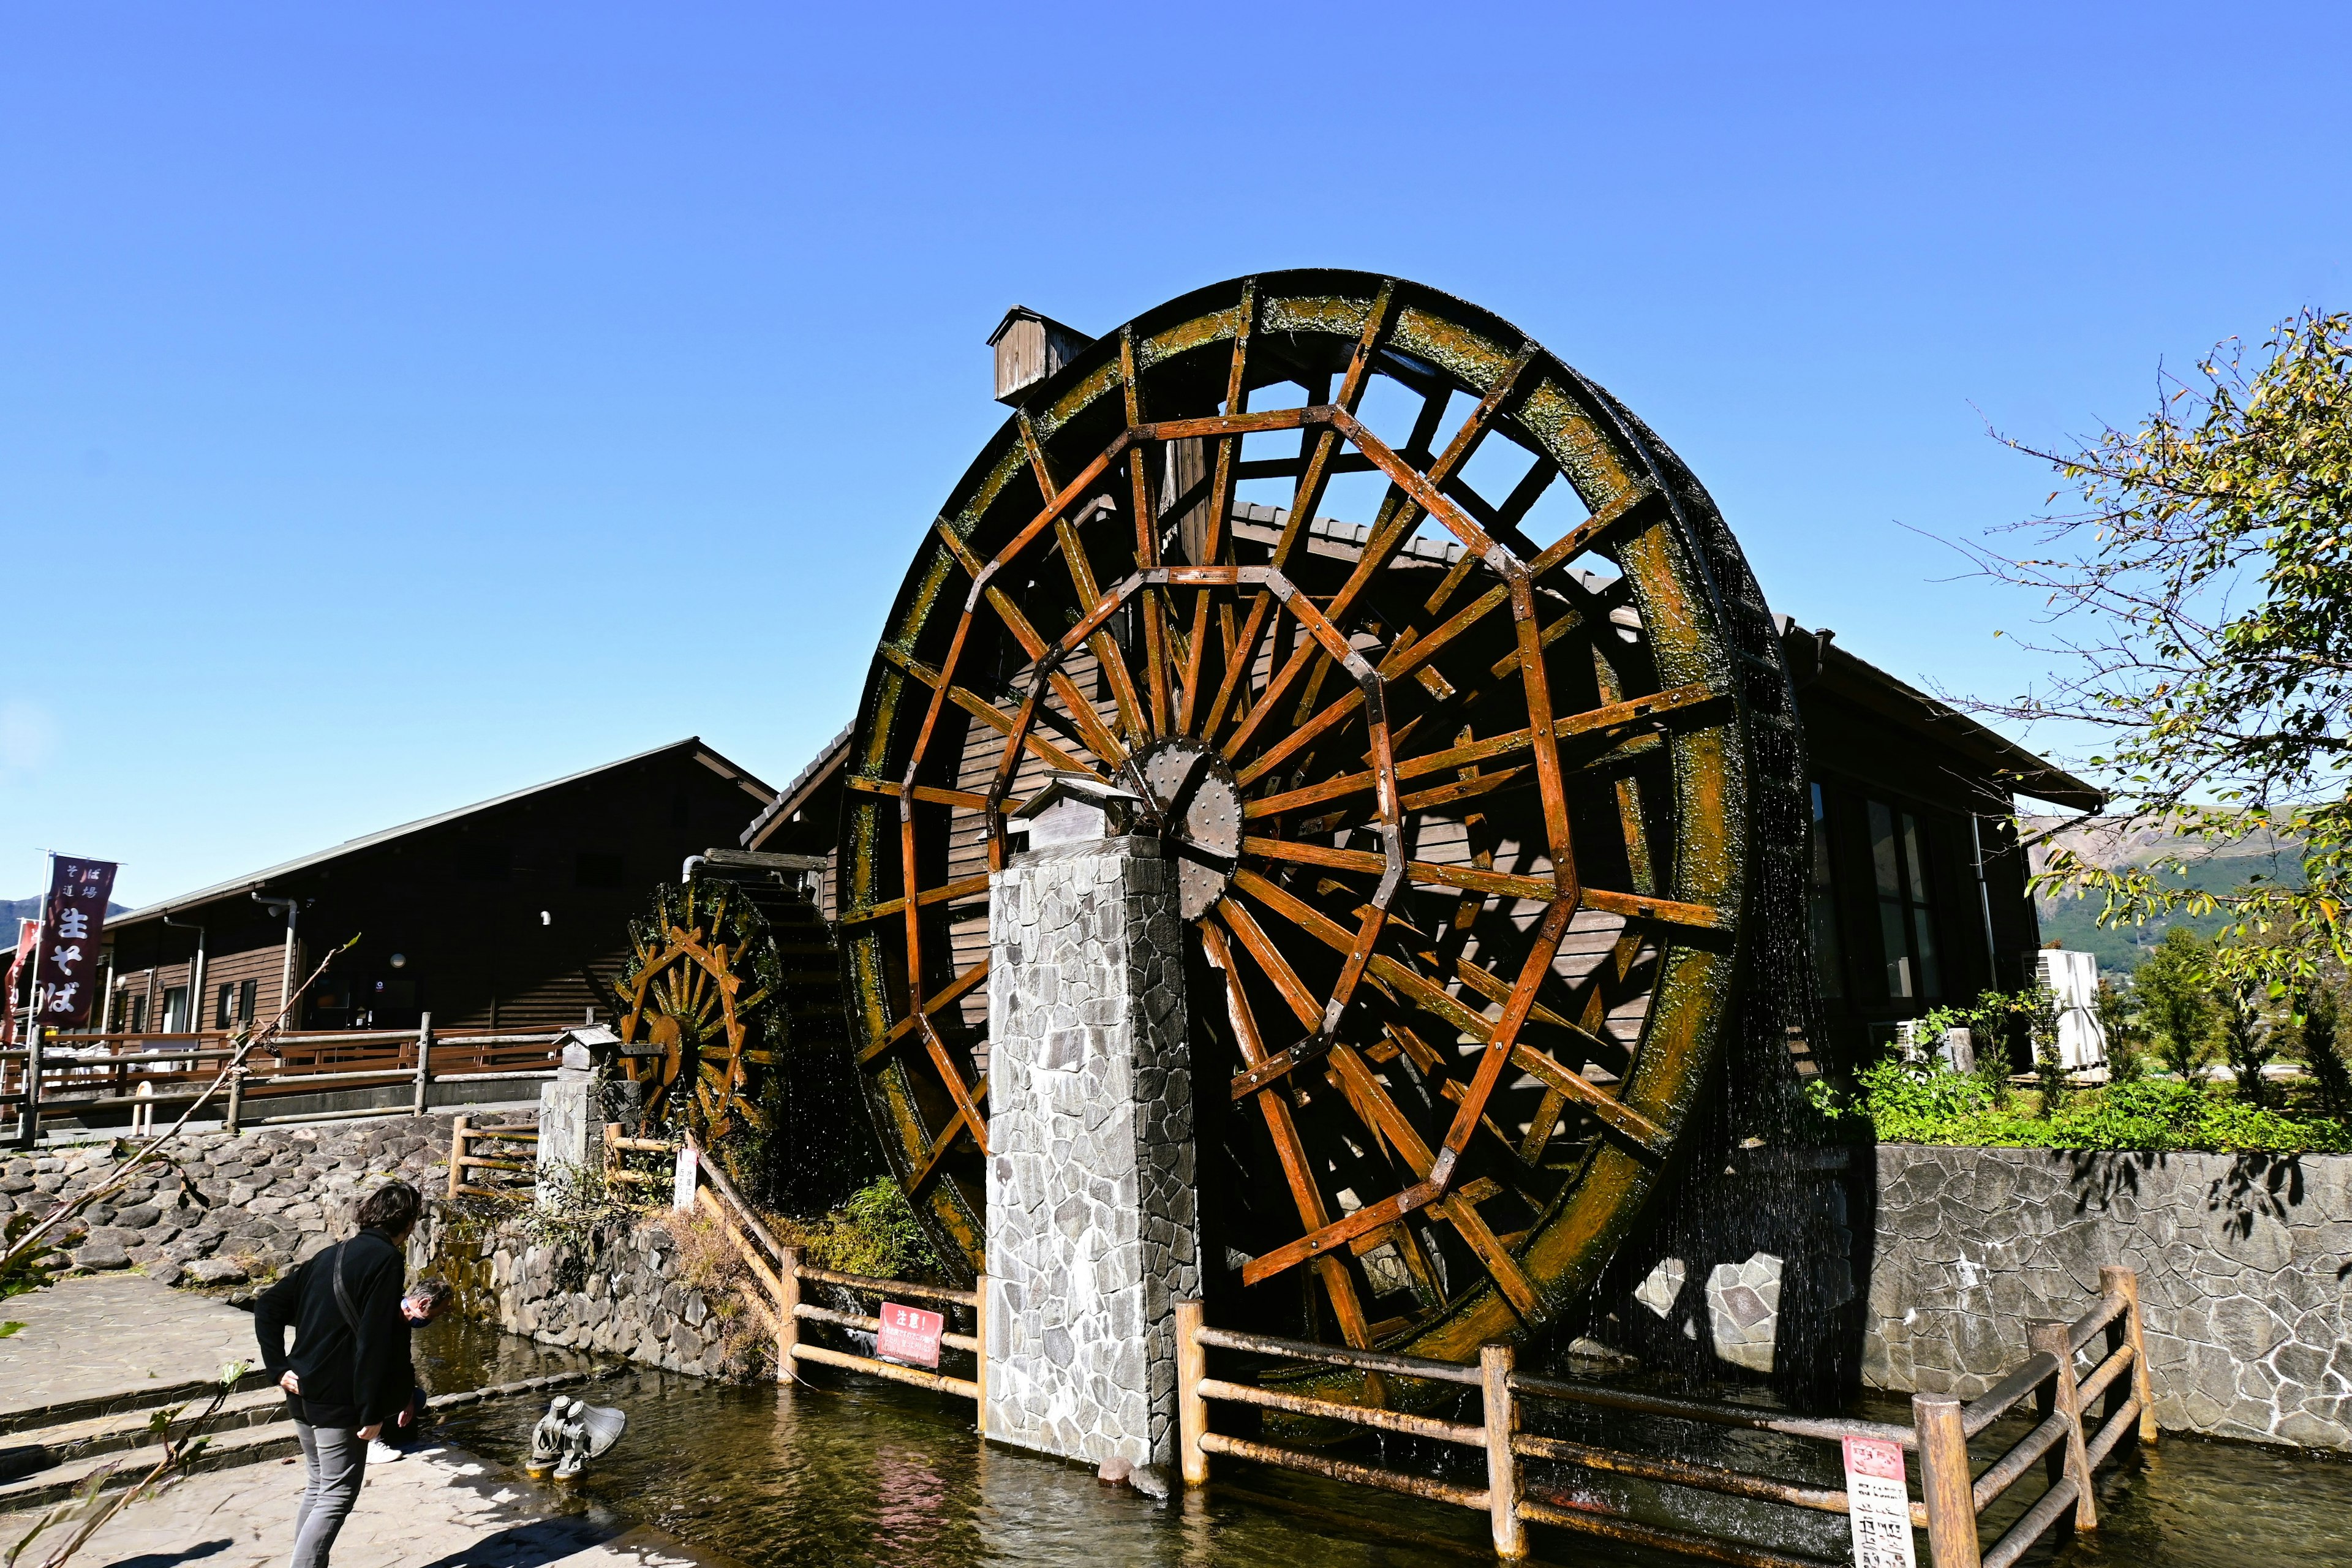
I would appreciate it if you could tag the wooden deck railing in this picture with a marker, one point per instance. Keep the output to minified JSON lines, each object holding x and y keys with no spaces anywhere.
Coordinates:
{"x":1954,"y":1497}
{"x":73,"y":1075}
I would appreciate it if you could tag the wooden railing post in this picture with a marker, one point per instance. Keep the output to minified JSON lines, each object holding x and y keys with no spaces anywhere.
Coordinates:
{"x":979,"y":1357}
{"x":28,"y":1106}
{"x":2070,"y":1459}
{"x":1191,"y":1410}
{"x":1502,"y":1464}
{"x":424,"y":1060}
{"x":788,"y":1313}
{"x":1944,"y":1483}
{"x":2126,"y":1282}
{"x":456,"y":1155}
{"x":236,"y":1115}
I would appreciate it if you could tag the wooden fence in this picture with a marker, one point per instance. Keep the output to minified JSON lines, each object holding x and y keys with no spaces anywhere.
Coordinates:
{"x":466,"y":1141}
{"x":779,"y":1273}
{"x":1954,"y":1495}
{"x":58,"y":1076}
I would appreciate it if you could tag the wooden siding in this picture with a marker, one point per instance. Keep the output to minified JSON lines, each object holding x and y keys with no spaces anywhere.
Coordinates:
{"x":499,"y":915}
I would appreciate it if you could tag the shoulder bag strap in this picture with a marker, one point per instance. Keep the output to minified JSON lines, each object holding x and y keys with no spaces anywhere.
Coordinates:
{"x":342,"y":1294}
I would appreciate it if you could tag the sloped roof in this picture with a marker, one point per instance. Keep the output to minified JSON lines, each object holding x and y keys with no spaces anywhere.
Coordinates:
{"x":1888,"y":697}
{"x":794,"y":795}
{"x":255,"y":880}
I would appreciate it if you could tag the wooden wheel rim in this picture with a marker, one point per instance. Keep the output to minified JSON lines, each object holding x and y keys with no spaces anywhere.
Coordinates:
{"x":687,"y":987}
{"x":1329,"y":721}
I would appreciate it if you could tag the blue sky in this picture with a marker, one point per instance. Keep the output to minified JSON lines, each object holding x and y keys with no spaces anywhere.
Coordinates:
{"x":399,"y":405}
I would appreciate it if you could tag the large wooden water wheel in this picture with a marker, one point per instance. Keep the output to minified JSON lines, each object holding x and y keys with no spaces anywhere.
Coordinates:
{"x":700,"y":983}
{"x":1439,"y":676}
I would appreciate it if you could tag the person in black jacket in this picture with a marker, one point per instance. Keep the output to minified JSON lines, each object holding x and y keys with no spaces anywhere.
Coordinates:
{"x":349,"y":1372}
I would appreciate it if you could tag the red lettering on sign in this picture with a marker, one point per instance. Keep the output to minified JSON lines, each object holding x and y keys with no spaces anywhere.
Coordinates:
{"x":908,"y":1334}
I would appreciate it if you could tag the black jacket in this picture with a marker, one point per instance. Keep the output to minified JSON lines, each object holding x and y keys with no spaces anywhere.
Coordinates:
{"x":349,"y":1379}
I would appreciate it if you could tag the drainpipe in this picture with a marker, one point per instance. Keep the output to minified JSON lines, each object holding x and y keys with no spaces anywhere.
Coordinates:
{"x":292,"y":909}
{"x":685,"y":872}
{"x":195,"y":975}
{"x":1984,"y":902}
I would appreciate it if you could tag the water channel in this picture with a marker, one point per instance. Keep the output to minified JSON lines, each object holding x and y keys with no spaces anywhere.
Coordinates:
{"x":867,"y":1473}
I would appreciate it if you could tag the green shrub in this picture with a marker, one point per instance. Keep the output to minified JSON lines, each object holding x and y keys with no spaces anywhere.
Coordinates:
{"x":875,"y":1233}
{"x":2247,"y":1041}
{"x":1907,"y":1105}
{"x":2323,"y":1053}
{"x":2175,"y":1005}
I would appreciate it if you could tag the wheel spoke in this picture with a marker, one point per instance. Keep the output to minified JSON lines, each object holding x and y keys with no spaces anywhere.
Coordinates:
{"x":1082,"y":712}
{"x":963,"y":887}
{"x":987,"y":713}
{"x":1692,"y":702}
{"x":1284,"y":1133}
{"x":1433,"y":998}
{"x":946,"y":996}
{"x":1146,"y":543}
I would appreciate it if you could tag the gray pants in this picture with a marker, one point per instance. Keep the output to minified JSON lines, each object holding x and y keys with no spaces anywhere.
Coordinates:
{"x":334,"y":1462}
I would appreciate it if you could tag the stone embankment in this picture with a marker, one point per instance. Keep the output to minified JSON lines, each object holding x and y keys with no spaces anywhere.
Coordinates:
{"x":623,"y":1291}
{"x":2242,"y":1261}
{"x":225,"y":1209}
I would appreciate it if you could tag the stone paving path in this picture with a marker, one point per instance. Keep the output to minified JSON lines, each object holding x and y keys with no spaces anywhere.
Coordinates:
{"x":438,"y":1508}
{"x":114,"y":1333}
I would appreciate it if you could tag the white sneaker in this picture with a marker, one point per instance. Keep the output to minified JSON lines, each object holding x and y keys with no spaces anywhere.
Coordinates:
{"x":382,"y":1453}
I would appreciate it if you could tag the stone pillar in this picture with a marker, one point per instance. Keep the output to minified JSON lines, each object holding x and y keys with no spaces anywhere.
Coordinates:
{"x":1093,"y":1226}
{"x":571,"y":1122}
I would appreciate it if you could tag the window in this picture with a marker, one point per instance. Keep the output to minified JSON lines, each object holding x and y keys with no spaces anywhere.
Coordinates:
{"x":224,"y":1008}
{"x":247,"y":994}
{"x":175,"y":1010}
{"x":1829,"y":952}
{"x":1905,"y":922}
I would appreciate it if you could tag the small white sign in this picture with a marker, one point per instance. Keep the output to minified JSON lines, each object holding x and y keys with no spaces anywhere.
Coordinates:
{"x":1881,"y":1513}
{"x":682,"y":1179}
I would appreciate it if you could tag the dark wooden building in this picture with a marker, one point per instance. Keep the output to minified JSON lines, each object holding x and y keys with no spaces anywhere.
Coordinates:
{"x":1919,"y":887}
{"x":491,"y":915}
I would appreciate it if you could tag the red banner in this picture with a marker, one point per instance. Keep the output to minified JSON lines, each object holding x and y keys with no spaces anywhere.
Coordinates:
{"x":73,"y":921}
{"x":28,"y":932}
{"x":908,"y":1334}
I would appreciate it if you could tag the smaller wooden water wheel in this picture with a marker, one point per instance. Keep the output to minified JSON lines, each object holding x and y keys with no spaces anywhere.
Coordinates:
{"x":700,"y":981}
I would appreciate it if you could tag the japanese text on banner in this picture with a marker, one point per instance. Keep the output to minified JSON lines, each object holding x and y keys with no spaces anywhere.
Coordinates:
{"x":73,"y":923}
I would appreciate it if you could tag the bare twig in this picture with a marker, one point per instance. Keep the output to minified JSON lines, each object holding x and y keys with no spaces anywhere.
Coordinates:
{"x":93,"y":1506}
{"x":67,"y":1207}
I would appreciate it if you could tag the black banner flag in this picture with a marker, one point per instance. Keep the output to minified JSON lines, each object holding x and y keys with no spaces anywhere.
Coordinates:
{"x":73,"y":921}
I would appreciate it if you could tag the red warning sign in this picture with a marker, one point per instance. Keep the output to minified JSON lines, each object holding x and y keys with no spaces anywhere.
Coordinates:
{"x":908,"y":1334}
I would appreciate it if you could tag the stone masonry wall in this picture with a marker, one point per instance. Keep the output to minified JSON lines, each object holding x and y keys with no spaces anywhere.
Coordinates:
{"x":625,"y":1295}
{"x":226,"y":1208}
{"x":2245,"y":1263}
{"x":1093,"y":1233}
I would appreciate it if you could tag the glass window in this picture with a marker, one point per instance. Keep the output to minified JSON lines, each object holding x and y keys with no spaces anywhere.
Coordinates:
{"x":175,"y":1010}
{"x":1829,"y":952}
{"x":247,"y":994}
{"x":224,"y":1008}
{"x":1905,"y":922}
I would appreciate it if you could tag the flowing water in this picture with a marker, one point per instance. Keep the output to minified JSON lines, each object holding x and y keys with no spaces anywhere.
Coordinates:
{"x":868,"y":1472}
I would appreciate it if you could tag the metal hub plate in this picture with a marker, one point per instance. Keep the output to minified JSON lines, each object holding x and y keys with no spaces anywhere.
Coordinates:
{"x":1199,"y":807}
